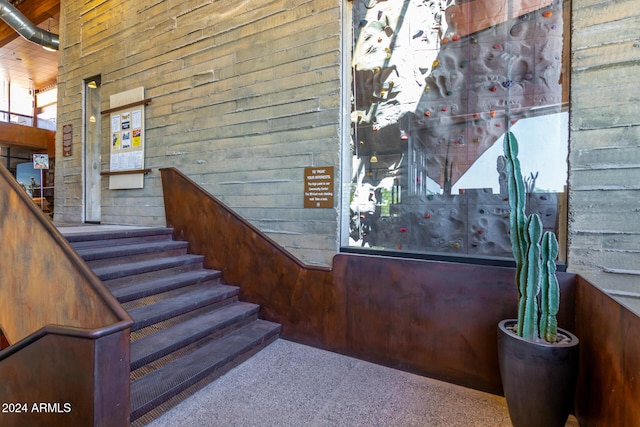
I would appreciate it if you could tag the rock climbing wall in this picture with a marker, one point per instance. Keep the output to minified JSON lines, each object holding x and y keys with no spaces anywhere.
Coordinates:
{"x":436,"y":84}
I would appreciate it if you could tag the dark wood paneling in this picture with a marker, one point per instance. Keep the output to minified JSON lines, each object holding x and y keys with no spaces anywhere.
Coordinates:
{"x":434,"y":318}
{"x":67,"y":381}
{"x":303,"y":299}
{"x":44,"y":281}
{"x":111,"y":387}
{"x":69,"y":352}
{"x":609,"y":380}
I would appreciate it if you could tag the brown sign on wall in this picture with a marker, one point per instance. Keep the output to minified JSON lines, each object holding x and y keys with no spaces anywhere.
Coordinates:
{"x":67,"y":140}
{"x":318,"y":187}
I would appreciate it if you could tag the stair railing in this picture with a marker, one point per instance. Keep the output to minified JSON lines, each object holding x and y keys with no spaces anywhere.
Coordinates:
{"x":211,"y":228}
{"x":68,"y":358}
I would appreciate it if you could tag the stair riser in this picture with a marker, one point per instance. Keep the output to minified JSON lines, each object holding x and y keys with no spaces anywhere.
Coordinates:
{"x":136,"y":256}
{"x":135,"y":296}
{"x":159,"y":296}
{"x":142,"y":323}
{"x":220,"y":331}
{"x":206,"y":376}
{"x":139,"y":233}
{"x":123,"y":241}
{"x":153,"y":274}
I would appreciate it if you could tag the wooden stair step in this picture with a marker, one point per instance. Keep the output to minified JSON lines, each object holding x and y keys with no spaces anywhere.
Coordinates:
{"x":144,"y":288}
{"x":190,"y":299}
{"x":94,"y":237}
{"x":157,"y":387}
{"x":216,"y":321}
{"x":119,"y":270}
{"x":116,"y":249}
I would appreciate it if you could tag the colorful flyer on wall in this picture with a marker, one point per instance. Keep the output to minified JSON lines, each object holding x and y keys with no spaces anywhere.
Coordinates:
{"x":115,"y":140}
{"x":126,"y":121}
{"x":136,"y":137}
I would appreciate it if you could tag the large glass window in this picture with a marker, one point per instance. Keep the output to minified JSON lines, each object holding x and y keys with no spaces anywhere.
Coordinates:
{"x":435,"y":86}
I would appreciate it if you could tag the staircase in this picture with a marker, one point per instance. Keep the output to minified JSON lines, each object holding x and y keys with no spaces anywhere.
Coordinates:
{"x":189,"y":326}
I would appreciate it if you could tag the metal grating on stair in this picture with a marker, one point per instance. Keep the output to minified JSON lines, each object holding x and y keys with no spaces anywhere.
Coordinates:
{"x":189,"y":326}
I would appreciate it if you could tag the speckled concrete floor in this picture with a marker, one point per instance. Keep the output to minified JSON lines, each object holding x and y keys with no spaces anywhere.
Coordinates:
{"x":289,"y":384}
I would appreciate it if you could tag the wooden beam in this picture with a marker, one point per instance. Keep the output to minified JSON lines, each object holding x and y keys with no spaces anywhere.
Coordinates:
{"x":13,"y":135}
{"x":37,"y":11}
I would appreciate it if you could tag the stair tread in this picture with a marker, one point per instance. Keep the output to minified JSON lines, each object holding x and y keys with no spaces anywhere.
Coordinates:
{"x":192,"y":298}
{"x":160,"y":385}
{"x":135,"y":290}
{"x":117,"y":234}
{"x":123,"y":269}
{"x":116,"y":249}
{"x":154,"y":346}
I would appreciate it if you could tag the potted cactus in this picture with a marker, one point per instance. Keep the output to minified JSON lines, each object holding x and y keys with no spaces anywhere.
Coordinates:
{"x":538,"y":361}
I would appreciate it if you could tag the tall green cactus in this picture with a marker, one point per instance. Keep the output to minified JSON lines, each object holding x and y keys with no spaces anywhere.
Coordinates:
{"x":535,"y":253}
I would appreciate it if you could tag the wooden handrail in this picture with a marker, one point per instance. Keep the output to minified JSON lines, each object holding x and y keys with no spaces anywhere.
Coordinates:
{"x":173,"y":173}
{"x":44,"y":281}
{"x":69,"y":335}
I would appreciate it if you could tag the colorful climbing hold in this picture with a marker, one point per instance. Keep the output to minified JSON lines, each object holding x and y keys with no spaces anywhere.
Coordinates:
{"x":492,"y":113}
{"x":435,"y":63}
{"x":547,"y":14}
{"x":476,"y":115}
{"x":418,"y":34}
{"x":449,"y":93}
{"x":479,"y":231}
{"x":464,"y":63}
{"x":456,"y":245}
{"x":455,"y":38}
{"x":427,"y":113}
{"x":445,"y":108}
{"x":507,"y":84}
{"x":445,"y":40}
{"x":494,"y":88}
{"x":403,"y":229}
{"x":427,"y":216}
{"x":497,"y":46}
{"x":426,"y":89}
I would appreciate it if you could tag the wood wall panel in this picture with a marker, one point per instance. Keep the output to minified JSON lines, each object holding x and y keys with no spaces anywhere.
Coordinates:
{"x":608,"y":386}
{"x":69,"y":375}
{"x":432,"y":318}
{"x":43,"y":280}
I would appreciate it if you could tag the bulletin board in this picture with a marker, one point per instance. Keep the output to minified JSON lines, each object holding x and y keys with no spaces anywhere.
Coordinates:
{"x":127,"y":139}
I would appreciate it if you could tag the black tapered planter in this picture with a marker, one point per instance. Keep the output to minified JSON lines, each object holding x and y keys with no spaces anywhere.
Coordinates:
{"x":538,"y":378}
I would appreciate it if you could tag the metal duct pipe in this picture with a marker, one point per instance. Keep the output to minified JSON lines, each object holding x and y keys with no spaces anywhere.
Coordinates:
{"x":27,"y":29}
